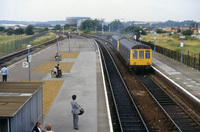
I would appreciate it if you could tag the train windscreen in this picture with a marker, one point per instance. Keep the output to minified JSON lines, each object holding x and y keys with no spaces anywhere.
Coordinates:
{"x":147,"y":54}
{"x":141,"y":54}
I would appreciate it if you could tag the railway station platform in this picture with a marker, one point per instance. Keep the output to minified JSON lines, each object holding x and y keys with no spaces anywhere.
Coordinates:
{"x":184,"y":77}
{"x":84,"y":80}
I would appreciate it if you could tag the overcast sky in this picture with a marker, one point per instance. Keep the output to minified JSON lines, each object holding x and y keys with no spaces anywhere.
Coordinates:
{"x":129,"y":10}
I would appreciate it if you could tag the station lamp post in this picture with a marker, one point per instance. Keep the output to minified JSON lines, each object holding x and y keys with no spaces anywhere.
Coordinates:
{"x":29,"y":60}
{"x":63,"y":29}
{"x":123,"y":25}
{"x":155,"y":41}
{"x":69,"y":41}
{"x":102,"y":28}
{"x":57,"y":50}
{"x":182,"y":37}
{"x":78,"y":40}
{"x":140,"y":36}
{"x":75,"y":38}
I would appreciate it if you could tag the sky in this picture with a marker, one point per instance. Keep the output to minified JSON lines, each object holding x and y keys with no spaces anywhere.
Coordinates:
{"x":124,"y":10}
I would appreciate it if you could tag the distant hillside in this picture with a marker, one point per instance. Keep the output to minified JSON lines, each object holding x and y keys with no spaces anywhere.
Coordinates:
{"x":32,"y":22}
{"x":169,"y":23}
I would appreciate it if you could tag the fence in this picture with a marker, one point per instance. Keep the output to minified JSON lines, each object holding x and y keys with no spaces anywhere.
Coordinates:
{"x":191,"y":59}
{"x":11,"y":46}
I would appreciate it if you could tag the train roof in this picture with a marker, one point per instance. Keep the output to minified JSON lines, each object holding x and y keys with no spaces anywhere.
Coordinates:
{"x":130,"y":44}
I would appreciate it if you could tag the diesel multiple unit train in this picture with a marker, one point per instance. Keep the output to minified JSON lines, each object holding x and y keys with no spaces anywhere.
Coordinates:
{"x":137,"y":55}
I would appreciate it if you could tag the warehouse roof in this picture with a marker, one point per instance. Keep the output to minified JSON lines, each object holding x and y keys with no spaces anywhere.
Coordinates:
{"x":13,"y":95}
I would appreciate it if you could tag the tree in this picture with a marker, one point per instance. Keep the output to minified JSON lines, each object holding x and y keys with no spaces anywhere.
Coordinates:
{"x":129,"y":29}
{"x":29,"y":30}
{"x":158,"y":30}
{"x":116,"y":25}
{"x":43,"y":29}
{"x":90,"y":25}
{"x":10,"y":31}
{"x":66,"y":26}
{"x":19,"y":31}
{"x":2,"y":29}
{"x":57,"y":27}
{"x":187,"y":32}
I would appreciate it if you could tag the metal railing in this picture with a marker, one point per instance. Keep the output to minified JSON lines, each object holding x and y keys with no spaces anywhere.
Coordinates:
{"x":8,"y":47}
{"x":191,"y":59}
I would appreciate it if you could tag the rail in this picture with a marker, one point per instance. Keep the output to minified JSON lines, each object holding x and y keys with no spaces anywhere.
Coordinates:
{"x":180,"y":117}
{"x":128,"y":114}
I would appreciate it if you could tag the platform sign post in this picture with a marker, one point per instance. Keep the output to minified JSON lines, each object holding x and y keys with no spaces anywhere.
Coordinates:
{"x":29,"y":60}
{"x":155,"y":41}
{"x":102,"y":20}
{"x":69,"y":41}
{"x":78,"y":40}
{"x":57,"y":50}
{"x":63,"y":29}
{"x":75,"y":38}
{"x":182,"y":37}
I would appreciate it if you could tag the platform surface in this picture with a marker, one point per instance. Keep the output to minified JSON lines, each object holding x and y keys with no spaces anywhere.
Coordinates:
{"x":84,"y":80}
{"x":186,"y":77}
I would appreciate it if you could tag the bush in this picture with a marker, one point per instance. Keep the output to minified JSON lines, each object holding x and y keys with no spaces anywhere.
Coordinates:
{"x":86,"y":31}
{"x":187,"y":32}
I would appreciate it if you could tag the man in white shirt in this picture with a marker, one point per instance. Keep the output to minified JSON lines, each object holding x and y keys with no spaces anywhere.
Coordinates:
{"x":4,"y":72}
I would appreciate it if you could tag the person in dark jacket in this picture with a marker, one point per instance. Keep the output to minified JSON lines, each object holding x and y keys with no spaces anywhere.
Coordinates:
{"x":37,"y":127}
{"x":75,"y":111}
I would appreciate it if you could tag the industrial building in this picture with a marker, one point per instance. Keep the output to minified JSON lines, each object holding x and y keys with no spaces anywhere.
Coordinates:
{"x":76,"y":21}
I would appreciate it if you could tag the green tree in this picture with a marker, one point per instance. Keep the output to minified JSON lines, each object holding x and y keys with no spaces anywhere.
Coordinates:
{"x":57,"y":27}
{"x":89,"y":25}
{"x":2,"y":29}
{"x":187,"y":32}
{"x":129,"y":29}
{"x":158,"y":30}
{"x":116,"y":25}
{"x":19,"y":31}
{"x":43,"y":29}
{"x":10,"y":31}
{"x":66,"y":26}
{"x":29,"y":30}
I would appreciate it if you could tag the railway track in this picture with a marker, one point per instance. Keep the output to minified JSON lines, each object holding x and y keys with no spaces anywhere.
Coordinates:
{"x":180,"y":117}
{"x":182,"y":120}
{"x":129,"y":117}
{"x":11,"y":58}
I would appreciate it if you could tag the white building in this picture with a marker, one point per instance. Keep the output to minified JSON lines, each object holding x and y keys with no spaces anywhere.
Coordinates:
{"x":13,"y":26}
{"x":76,"y":21}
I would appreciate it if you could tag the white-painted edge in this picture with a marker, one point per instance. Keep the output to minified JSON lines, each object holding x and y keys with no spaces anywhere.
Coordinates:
{"x":192,"y":96}
{"x":105,"y":92}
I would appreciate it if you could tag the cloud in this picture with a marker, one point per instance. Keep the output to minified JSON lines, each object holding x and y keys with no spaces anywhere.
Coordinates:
{"x":147,"y":10}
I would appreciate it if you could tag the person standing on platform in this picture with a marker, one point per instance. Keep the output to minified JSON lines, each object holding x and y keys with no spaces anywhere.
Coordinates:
{"x":48,"y":128}
{"x":37,"y":127}
{"x":75,"y":111}
{"x":4,"y":72}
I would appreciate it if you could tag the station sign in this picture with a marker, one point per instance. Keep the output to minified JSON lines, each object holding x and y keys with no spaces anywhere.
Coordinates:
{"x":29,"y":58}
{"x":25,"y":64}
{"x":181,"y":44}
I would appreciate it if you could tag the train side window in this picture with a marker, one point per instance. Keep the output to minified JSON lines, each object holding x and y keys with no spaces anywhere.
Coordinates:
{"x":141,"y":54}
{"x":135,"y":54}
{"x":147,"y":54}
